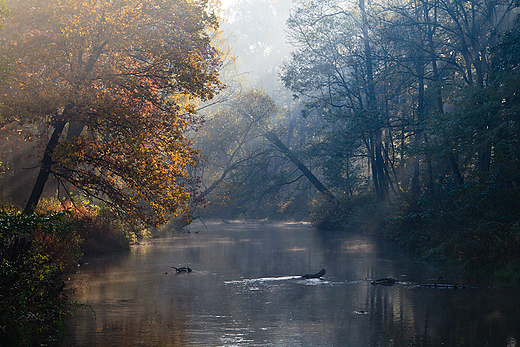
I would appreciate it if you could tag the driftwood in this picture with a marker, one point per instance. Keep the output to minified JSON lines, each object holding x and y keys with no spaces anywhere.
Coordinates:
{"x":387,"y":281}
{"x":445,"y":286}
{"x":316,"y":275}
{"x":182,"y":269}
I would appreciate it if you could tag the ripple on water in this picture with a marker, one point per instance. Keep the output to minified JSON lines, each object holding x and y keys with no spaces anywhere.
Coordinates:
{"x":262,"y":279}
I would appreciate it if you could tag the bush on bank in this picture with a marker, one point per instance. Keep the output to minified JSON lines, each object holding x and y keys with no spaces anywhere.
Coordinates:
{"x":362,"y":214}
{"x":35,"y":253}
{"x":475,"y":226}
{"x":101,"y":228}
{"x":35,"y":250}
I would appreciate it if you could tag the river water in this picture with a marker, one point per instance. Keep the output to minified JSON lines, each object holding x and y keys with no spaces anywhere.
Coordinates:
{"x":244,"y":291}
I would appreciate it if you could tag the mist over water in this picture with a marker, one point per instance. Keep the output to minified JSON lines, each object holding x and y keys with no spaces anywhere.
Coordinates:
{"x":245,"y":290}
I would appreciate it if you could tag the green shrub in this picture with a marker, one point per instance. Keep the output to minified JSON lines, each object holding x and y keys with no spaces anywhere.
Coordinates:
{"x":476,"y":226}
{"x":34,"y":252}
{"x":101,"y":228}
{"x":103,"y":231}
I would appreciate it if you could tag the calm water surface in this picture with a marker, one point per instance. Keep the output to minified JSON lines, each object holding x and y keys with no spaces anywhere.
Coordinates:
{"x":243,"y":292}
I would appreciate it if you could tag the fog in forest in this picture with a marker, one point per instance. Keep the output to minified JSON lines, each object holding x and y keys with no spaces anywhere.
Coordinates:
{"x":244,"y":176}
{"x":306,"y":110}
{"x":243,"y":146}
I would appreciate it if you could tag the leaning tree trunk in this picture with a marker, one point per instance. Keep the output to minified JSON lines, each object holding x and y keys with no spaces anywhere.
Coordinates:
{"x":180,"y":222}
{"x":45,"y":168}
{"x":271,"y":136}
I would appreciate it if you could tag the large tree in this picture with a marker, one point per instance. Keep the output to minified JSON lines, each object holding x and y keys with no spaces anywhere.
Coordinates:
{"x":244,"y":172}
{"x":334,"y":69}
{"x":114,"y":84}
{"x":386,"y":80}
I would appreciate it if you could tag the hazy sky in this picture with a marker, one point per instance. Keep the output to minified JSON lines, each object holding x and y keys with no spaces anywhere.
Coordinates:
{"x":226,"y":3}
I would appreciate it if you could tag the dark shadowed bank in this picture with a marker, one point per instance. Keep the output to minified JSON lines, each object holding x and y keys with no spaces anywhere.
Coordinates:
{"x":36,"y":253}
{"x":474,"y":227}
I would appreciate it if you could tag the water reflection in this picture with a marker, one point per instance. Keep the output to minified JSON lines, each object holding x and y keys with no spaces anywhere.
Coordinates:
{"x":245,"y":291}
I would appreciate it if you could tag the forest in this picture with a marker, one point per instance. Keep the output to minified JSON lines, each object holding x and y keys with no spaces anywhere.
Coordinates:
{"x":121,"y":120}
{"x":395,"y":119}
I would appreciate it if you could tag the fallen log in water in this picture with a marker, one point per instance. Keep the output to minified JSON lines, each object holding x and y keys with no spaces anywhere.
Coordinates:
{"x":316,"y":275}
{"x":182,"y":269}
{"x":387,"y":281}
{"x":445,"y":286}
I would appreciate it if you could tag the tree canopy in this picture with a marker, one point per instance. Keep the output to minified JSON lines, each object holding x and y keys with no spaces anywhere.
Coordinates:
{"x":418,"y":107}
{"x":389,"y":80}
{"x":114,"y":86}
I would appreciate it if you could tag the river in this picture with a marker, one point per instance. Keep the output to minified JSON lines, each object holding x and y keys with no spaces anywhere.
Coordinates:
{"x":244,"y":291}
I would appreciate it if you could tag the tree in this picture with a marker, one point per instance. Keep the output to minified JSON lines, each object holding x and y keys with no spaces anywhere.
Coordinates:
{"x":114,"y":82}
{"x":232,"y":136}
{"x":386,"y":80}
{"x":242,"y":168}
{"x":333,"y":69}
{"x":454,"y":42}
{"x":475,"y":224}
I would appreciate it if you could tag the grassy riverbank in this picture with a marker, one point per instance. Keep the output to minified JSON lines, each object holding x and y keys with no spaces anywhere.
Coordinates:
{"x":36,"y":252}
{"x":474,"y":227}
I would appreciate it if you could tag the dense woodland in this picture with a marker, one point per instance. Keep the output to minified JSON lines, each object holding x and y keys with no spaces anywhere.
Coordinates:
{"x":406,"y":112}
{"x":418,"y":103}
{"x":392,"y":118}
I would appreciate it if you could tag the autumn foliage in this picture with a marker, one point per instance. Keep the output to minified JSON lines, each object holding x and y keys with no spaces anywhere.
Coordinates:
{"x":115,"y":85}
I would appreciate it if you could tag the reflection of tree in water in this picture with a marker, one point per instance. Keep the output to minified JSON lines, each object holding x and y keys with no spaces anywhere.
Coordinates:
{"x":127,"y":307}
{"x":435,"y":317}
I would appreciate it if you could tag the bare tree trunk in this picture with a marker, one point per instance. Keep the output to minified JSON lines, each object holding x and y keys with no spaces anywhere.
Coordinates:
{"x":45,"y":168}
{"x":440,"y":104}
{"x":271,"y":136}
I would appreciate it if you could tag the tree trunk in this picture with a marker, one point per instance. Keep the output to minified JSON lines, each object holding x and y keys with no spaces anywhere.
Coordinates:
{"x":379,"y":165}
{"x":271,"y":136}
{"x":419,"y":136}
{"x":45,"y":168}
{"x":440,"y":104}
{"x":456,"y":172}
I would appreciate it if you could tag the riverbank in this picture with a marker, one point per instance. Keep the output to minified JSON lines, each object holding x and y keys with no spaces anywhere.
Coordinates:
{"x":470,"y":227}
{"x":36,"y":253}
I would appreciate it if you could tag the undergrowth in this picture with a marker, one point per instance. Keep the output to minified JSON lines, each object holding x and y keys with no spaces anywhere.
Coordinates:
{"x":476,"y":226}
{"x":37,"y":250}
